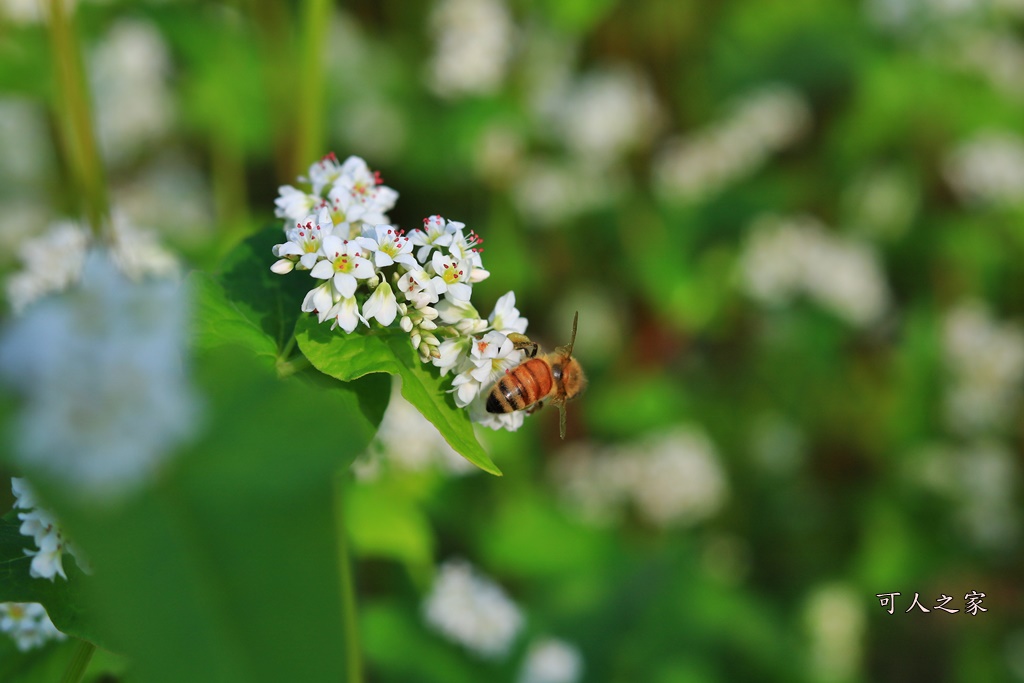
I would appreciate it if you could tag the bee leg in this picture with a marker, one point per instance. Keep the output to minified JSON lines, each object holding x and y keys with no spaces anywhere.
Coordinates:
{"x":521,"y":341}
{"x":535,"y":407}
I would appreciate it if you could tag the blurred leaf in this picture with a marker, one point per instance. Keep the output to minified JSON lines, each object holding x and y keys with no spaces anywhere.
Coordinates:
{"x":384,"y":523}
{"x":63,"y":599}
{"x":230,"y":560}
{"x":349,"y":356}
{"x":575,"y":16}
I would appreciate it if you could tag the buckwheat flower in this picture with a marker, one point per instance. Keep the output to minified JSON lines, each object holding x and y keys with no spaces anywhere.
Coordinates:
{"x":461,"y":315}
{"x":472,"y":611}
{"x":421,"y":288}
{"x":389,"y":246}
{"x":988,"y":168}
{"x":451,"y":353}
{"x":44,"y":529}
{"x":489,"y":357}
{"x":320,"y":300}
{"x":551,"y":660}
{"x":505,"y":317}
{"x":478,"y":414}
{"x":324,"y":173}
{"x":293,"y":204}
{"x":51,"y":263}
{"x":364,"y":186}
{"x":28,"y":624}
{"x":436,"y":233}
{"x":304,"y":240}
{"x":343,"y":263}
{"x":381,"y":305}
{"x":455,"y":274}
{"x":345,"y":314}
{"x":105,"y":397}
{"x":473,"y":41}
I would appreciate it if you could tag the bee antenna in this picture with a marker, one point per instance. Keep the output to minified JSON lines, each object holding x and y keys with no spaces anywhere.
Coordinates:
{"x":572,"y":340}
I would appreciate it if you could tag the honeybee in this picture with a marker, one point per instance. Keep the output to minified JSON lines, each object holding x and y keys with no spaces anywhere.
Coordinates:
{"x":556,"y":376}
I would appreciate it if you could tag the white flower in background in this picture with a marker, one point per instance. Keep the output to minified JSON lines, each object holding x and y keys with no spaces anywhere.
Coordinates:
{"x":473,"y":45}
{"x":604,"y":114}
{"x":53,"y":261}
{"x":980,"y":479}
{"x":835,"y":624}
{"x":374,"y":126}
{"x":985,"y":359}
{"x":680,"y":481}
{"x":169,"y":194}
{"x":294,"y":204}
{"x":406,"y":440}
{"x":761,"y":124}
{"x":788,"y":256}
{"x":672,"y":479}
{"x":550,"y":660}
{"x":28,"y":624}
{"x":130,"y":71}
{"x":45,"y":530}
{"x":472,"y":611}
{"x":100,"y":368}
{"x":988,"y":168}
{"x":549,"y":193}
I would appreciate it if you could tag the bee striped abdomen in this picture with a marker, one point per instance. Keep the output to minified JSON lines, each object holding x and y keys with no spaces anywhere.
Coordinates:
{"x":528,"y":383}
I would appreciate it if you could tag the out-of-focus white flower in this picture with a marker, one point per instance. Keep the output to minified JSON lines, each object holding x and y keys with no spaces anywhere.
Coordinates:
{"x":550,"y":660}
{"x":473,"y":40}
{"x":28,"y":624}
{"x":985,"y":359}
{"x":672,"y":479}
{"x":408,"y":441}
{"x":471,"y":610}
{"x":129,"y":72}
{"x":548,"y":193}
{"x":834,"y":619}
{"x":169,"y":195}
{"x":988,"y":168}
{"x":789,"y":256}
{"x":53,"y":261}
{"x":100,"y":368}
{"x":46,"y":531}
{"x":980,"y":479}
{"x":761,"y":124}
{"x":604,"y":114}
{"x":375,"y":127}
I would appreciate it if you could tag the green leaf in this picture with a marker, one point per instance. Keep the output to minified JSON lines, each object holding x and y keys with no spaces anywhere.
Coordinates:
{"x":385,"y":523}
{"x":247,"y":304}
{"x":350,"y":356}
{"x":63,"y":599}
{"x":226,"y":569}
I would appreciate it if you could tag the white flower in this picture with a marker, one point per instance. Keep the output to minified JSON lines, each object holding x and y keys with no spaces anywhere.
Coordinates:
{"x":455,"y":275}
{"x":365,"y":188}
{"x":45,"y":530}
{"x":28,"y":624}
{"x":474,"y":43}
{"x":381,"y":305}
{"x":343,"y":263}
{"x":461,"y":315}
{"x":489,"y":357}
{"x":346,"y":315}
{"x":550,"y":660}
{"x":988,"y":168}
{"x":420,"y":288}
{"x":324,"y":173}
{"x":105,"y":395}
{"x":294,"y":204}
{"x":389,"y":246}
{"x":51,"y":262}
{"x":304,"y":240}
{"x":320,"y":300}
{"x":451,"y":353}
{"x":436,"y":233}
{"x":505,"y":316}
{"x":472,"y":611}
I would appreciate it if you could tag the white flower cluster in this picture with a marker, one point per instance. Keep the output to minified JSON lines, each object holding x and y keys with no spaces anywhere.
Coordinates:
{"x":671,"y":479}
{"x":43,"y":527}
{"x":474,"y":41}
{"x":761,"y":124}
{"x":28,"y":624}
{"x":53,"y":261}
{"x":985,"y":359}
{"x":988,"y":168}
{"x":788,"y":256}
{"x":472,"y":610}
{"x":550,"y":660}
{"x":370,"y":270}
{"x":100,"y":368}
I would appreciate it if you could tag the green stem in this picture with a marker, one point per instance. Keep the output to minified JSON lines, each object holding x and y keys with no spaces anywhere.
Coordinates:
{"x":80,"y":659}
{"x":316,"y":16}
{"x":228,"y":166}
{"x":289,"y":368}
{"x":75,"y":118}
{"x":353,"y":655}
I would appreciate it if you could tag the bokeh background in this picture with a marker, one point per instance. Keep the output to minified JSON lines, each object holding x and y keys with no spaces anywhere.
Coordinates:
{"x":793,"y":232}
